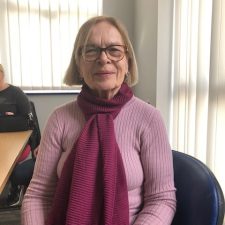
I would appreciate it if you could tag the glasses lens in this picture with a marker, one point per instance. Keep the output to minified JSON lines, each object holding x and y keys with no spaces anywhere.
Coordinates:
{"x":90,"y":53}
{"x":113,"y":52}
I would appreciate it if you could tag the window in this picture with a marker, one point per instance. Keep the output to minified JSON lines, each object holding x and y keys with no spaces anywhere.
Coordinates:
{"x":198,"y":82}
{"x":37,"y":38}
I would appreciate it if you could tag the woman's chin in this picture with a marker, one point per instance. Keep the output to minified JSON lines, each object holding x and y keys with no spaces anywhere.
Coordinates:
{"x":106,"y":91}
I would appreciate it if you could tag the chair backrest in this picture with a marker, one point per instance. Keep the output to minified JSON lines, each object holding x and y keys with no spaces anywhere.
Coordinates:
{"x":200,"y":200}
{"x":36,"y":135}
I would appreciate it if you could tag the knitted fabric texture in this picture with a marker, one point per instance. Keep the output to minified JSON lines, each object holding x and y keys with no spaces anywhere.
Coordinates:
{"x":92,"y":189}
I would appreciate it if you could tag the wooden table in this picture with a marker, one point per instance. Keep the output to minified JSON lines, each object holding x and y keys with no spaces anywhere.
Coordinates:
{"x":11,"y":146}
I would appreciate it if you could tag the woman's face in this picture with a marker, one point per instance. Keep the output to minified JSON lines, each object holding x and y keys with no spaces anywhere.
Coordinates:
{"x":104,"y":76}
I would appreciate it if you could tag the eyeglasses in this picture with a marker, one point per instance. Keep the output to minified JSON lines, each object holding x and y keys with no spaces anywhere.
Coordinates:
{"x":113,"y":52}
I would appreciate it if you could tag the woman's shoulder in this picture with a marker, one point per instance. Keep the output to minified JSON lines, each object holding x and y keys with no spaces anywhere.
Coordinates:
{"x":17,"y":92}
{"x":11,"y":89}
{"x":142,"y":111}
{"x":66,"y":116}
{"x":14,"y":88}
{"x":140,"y":106}
{"x":70,"y":108}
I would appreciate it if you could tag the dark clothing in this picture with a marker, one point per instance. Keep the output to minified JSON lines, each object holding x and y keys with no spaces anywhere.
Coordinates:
{"x":13,"y":99}
{"x":22,"y":173}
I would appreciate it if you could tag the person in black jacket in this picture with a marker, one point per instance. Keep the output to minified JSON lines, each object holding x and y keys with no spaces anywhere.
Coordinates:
{"x":15,"y":106}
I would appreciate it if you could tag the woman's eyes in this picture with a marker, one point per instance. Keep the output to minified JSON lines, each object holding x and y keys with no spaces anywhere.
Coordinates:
{"x":98,"y":49}
{"x":114,"y":49}
{"x":91,"y":50}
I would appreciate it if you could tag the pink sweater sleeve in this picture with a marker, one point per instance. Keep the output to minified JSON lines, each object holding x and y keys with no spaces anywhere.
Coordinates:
{"x":158,"y":190}
{"x":147,"y":158}
{"x":61,"y":131}
{"x":39,"y":195}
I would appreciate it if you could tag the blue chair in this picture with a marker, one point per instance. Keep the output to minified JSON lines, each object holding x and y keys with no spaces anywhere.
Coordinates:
{"x":200,"y":200}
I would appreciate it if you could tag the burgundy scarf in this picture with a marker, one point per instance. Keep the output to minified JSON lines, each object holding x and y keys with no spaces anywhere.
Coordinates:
{"x":92,"y":189}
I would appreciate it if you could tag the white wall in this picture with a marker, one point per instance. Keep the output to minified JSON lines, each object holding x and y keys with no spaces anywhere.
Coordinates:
{"x":145,"y":36}
{"x":124,"y":11}
{"x":164,"y":57}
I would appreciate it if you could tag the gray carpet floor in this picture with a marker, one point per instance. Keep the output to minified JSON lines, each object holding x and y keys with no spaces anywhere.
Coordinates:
{"x":8,"y":215}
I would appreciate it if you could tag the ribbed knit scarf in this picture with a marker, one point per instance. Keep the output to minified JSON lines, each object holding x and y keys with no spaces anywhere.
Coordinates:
{"x":92,"y":189}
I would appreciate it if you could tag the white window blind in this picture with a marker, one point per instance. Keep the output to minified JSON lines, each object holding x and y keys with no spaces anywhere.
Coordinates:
{"x":37,"y":38}
{"x":198,"y":82}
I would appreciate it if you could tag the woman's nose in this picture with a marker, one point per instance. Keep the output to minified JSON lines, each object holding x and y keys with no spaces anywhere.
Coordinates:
{"x":103,"y":57}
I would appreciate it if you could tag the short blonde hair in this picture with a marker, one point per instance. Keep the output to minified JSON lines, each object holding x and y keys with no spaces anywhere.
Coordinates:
{"x":2,"y":69}
{"x":72,"y":76}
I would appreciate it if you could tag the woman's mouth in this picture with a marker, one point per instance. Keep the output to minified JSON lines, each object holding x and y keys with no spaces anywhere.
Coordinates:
{"x":104,"y":73}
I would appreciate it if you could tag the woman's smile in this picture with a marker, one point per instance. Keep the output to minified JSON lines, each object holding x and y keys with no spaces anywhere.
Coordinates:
{"x":104,"y":73}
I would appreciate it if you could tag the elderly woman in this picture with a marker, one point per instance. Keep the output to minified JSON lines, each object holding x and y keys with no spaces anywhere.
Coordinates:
{"x":104,"y":158}
{"x":14,"y":103}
